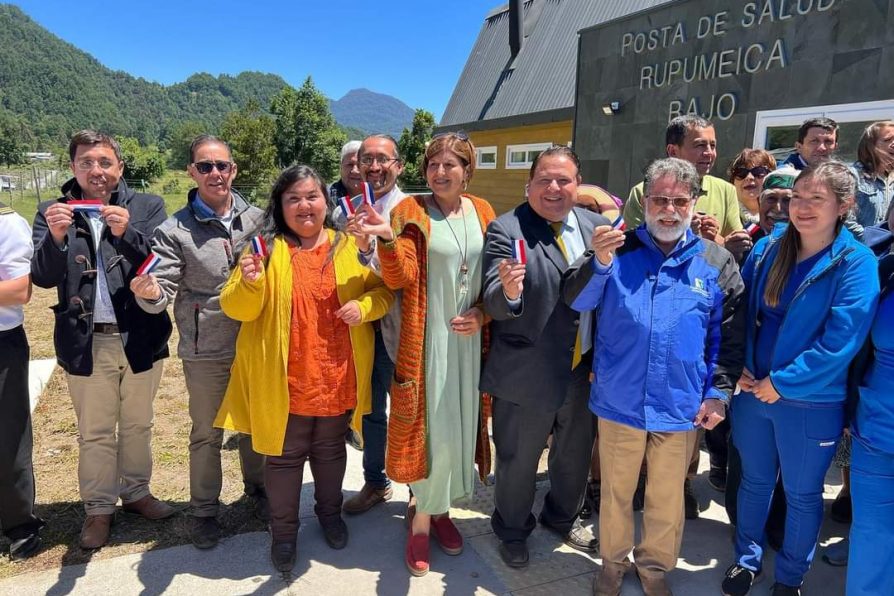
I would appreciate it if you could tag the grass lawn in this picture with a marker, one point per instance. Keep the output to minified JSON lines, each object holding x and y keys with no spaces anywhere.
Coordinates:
{"x":55,"y":466}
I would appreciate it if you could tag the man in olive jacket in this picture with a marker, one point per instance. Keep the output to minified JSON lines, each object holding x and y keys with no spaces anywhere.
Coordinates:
{"x":88,"y":244}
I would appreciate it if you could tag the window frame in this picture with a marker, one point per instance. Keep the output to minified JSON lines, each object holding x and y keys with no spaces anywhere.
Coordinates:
{"x":480,"y":165}
{"x":526,"y":147}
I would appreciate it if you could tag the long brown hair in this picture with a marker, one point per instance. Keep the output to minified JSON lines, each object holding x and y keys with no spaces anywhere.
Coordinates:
{"x":867,"y":153}
{"x":838,"y":178}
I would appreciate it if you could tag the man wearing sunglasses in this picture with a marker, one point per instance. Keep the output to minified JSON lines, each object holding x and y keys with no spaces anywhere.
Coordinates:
{"x":693,"y":139}
{"x":197,"y":247}
{"x":380,"y":165}
{"x":88,"y":244}
{"x":669,"y":351}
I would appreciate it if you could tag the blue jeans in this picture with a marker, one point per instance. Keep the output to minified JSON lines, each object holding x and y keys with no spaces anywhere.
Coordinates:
{"x":375,"y":424}
{"x":871,"y":558}
{"x":799,"y":439}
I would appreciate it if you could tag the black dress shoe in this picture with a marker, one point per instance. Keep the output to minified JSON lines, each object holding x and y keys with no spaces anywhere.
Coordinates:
{"x":578,"y":537}
{"x":514,"y":553}
{"x":25,"y":547}
{"x":283,"y":555}
{"x":336,"y":533}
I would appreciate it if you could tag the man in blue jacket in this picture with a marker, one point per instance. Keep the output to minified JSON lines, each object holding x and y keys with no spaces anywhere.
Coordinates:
{"x":668,"y":352}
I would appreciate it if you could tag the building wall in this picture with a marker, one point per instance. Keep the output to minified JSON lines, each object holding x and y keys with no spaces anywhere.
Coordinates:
{"x":505,"y":188}
{"x":726,"y":61}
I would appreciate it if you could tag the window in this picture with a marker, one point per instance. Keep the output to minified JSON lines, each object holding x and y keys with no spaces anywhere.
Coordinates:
{"x":486,"y":158}
{"x":777,"y":130}
{"x":522,"y":156}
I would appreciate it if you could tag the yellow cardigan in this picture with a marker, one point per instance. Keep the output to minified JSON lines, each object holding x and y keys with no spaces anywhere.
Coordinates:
{"x":257,"y":398}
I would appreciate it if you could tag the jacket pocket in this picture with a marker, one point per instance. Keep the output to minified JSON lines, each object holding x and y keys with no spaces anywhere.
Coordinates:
{"x":405,"y":401}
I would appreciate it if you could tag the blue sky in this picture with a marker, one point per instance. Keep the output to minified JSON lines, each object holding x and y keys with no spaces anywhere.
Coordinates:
{"x":413,"y":50}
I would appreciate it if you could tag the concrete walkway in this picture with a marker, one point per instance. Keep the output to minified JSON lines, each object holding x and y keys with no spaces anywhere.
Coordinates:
{"x":373,"y":561}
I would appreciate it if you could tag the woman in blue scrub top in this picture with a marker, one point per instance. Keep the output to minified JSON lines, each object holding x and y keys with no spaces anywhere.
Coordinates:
{"x":812,"y":295}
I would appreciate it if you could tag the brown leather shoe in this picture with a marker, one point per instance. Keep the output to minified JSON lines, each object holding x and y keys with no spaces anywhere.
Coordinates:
{"x":654,"y":585}
{"x":368,"y":496}
{"x":608,"y":581}
{"x":150,"y":508}
{"x":95,"y":531}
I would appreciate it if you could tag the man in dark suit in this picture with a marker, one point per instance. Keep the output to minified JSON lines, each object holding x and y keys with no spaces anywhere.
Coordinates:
{"x":538,"y":368}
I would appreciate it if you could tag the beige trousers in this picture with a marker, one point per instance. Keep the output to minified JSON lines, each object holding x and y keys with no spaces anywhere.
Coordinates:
{"x":667,"y":454}
{"x":113,"y":407}
{"x":206,"y":382}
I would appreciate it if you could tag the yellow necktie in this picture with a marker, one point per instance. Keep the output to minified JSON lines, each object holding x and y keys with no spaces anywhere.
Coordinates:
{"x":557,"y":231}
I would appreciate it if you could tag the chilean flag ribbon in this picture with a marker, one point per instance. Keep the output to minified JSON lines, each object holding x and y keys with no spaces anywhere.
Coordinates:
{"x":752,"y":229}
{"x":85,"y":204}
{"x":519,"y":252}
{"x":369,"y":197}
{"x":259,"y":247}
{"x":619,"y":224}
{"x":149,"y":264}
{"x":346,"y":205}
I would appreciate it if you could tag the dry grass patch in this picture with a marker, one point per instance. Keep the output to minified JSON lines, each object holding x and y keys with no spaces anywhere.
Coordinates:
{"x":56,"y":461}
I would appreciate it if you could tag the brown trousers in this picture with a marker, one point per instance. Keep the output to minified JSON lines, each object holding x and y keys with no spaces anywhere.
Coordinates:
{"x":667,"y":457}
{"x":206,"y":382}
{"x":113,"y":407}
{"x":320,"y":439}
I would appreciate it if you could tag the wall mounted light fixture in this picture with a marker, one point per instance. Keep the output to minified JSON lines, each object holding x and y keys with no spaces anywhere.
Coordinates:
{"x":611,"y":108}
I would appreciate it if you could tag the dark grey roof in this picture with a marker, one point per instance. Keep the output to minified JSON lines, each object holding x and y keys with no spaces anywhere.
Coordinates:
{"x":543,"y":75}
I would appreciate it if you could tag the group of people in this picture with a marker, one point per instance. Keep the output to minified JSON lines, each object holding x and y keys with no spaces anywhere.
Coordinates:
{"x":419,"y":327}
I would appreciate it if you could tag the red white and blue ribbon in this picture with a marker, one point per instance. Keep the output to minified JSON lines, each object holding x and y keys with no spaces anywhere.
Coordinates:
{"x":752,"y":229}
{"x":619,"y":224}
{"x":519,"y":252}
{"x":346,"y":205}
{"x":366,"y":191}
{"x":149,"y":264}
{"x":85,"y":204}
{"x":259,"y":247}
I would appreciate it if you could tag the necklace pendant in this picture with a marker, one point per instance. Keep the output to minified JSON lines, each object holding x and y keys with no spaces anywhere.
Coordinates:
{"x":464,"y":269}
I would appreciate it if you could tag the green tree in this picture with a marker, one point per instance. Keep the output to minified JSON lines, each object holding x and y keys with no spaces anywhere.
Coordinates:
{"x":178,"y":141}
{"x":412,"y":145}
{"x":141,"y":163}
{"x":306,"y":131}
{"x":15,"y":137}
{"x":249,"y":132}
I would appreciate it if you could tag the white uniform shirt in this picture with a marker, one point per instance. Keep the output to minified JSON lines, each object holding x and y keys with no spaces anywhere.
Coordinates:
{"x":15,"y":262}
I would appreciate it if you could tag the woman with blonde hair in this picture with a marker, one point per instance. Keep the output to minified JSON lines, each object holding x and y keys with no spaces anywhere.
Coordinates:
{"x":874,"y":170}
{"x":303,"y":355}
{"x":432,"y":250}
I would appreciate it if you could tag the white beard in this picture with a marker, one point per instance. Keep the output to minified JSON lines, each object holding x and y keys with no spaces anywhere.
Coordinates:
{"x":663,"y":233}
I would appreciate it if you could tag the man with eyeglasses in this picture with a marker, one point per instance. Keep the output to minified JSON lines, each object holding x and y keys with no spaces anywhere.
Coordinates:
{"x":668,"y":354}
{"x":716,"y":216}
{"x":817,"y":140}
{"x":380,"y":165}
{"x":197,"y":247}
{"x":88,"y":244}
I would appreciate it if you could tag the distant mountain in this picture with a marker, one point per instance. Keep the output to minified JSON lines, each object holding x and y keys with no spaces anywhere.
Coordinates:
{"x":59,"y":88}
{"x":372,"y":112}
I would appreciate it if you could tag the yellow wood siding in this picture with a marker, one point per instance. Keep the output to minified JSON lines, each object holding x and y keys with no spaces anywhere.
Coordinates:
{"x":503,"y":188}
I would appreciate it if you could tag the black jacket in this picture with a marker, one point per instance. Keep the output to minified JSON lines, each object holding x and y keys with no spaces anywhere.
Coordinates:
{"x":145,"y":335}
{"x":529,"y":360}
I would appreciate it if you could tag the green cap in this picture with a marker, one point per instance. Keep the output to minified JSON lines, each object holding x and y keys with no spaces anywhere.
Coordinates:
{"x":783,"y":177}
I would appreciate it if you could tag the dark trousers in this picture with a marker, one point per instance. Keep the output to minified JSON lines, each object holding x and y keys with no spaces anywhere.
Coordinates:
{"x":320,"y":439}
{"x":375,"y":424}
{"x":17,"y":518}
{"x":520,"y":434}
